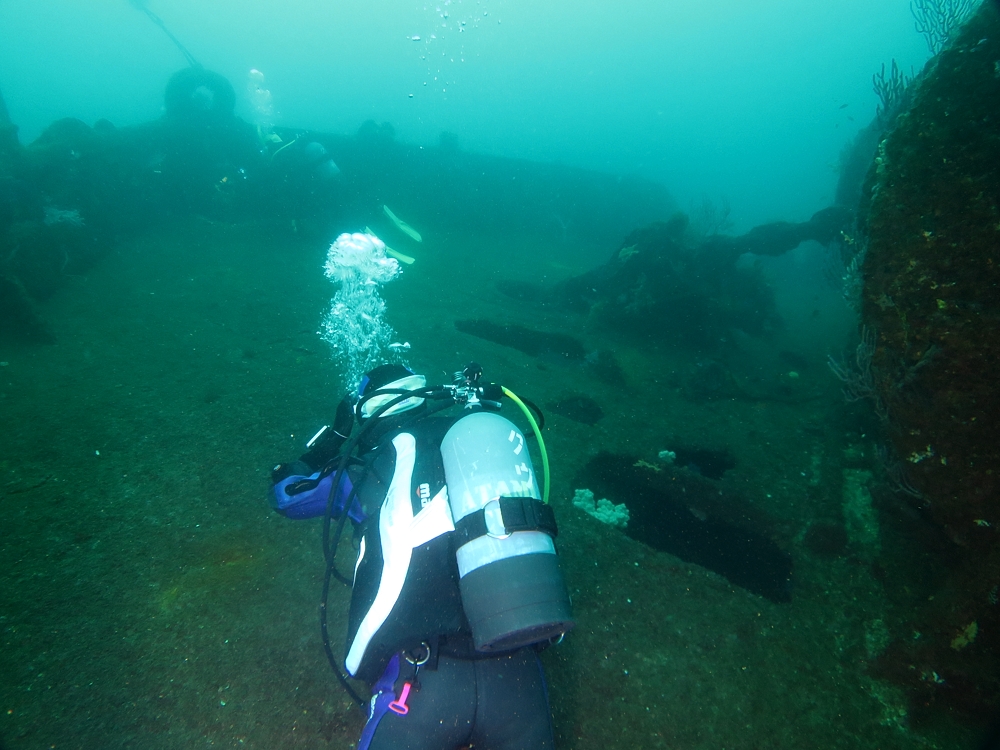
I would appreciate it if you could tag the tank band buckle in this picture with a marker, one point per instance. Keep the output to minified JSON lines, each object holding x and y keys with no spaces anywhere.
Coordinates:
{"x":510,"y":514}
{"x":496,"y":525}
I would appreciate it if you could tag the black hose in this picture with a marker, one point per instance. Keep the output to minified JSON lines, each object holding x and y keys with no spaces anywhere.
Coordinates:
{"x":330,"y":544}
{"x":330,"y":552}
{"x":334,"y":663}
{"x":538,"y":412}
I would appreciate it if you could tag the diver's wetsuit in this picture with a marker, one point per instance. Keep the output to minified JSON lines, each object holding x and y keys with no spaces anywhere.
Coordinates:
{"x":406,"y":592}
{"x":465,"y":697}
{"x":499,"y":703}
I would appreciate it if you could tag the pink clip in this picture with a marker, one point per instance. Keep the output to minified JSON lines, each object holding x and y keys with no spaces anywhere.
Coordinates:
{"x":399,"y":706}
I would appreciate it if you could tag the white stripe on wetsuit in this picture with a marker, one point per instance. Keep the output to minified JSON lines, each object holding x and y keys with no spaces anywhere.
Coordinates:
{"x":400,"y":532}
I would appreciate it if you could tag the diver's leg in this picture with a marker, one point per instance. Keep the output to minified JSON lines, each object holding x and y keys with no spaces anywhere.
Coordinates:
{"x":513,"y":711}
{"x":441,"y":711}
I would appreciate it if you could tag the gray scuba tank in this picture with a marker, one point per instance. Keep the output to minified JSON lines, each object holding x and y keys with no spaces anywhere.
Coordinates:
{"x":512,"y":589}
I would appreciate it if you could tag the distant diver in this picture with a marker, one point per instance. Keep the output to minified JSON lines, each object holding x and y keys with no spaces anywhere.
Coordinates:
{"x":143,"y":5}
{"x":320,"y":161}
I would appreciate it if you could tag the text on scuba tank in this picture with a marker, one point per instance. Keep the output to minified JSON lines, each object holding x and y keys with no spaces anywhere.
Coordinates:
{"x":522,"y":486}
{"x":515,"y":435}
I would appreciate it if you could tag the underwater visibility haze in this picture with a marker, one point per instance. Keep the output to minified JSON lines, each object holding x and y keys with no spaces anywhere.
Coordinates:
{"x":741,"y":256}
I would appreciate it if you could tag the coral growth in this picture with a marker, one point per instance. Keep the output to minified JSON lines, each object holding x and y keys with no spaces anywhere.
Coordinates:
{"x":603,"y":510}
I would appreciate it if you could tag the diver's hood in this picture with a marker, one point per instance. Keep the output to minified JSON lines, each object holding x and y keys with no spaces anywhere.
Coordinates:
{"x":409,"y":383}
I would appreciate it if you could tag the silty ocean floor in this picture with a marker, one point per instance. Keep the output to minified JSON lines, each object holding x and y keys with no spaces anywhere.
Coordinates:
{"x":150,"y":598}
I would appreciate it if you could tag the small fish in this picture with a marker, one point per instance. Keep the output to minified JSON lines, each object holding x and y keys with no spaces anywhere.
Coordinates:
{"x":397,"y":345}
{"x":843,"y":106}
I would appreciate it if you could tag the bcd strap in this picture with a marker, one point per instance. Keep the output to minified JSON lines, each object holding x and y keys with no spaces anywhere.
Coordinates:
{"x":518,"y":514}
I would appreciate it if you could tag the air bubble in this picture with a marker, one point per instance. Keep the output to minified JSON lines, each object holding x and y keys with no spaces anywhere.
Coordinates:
{"x":354,"y":326}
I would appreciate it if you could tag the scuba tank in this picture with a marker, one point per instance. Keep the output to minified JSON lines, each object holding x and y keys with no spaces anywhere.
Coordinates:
{"x":512,"y":589}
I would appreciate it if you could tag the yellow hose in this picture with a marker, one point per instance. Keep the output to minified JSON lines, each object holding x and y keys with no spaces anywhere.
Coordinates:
{"x":541,"y":443}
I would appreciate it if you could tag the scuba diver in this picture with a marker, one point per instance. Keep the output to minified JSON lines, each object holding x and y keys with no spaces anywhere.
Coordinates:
{"x":456,"y":586}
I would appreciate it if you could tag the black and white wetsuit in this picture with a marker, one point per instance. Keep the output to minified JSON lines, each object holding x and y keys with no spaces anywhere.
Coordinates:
{"x":408,"y":636}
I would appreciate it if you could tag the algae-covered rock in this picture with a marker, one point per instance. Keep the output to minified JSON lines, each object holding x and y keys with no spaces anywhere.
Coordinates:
{"x":860,"y":518}
{"x":932,"y":297}
{"x":931,"y":283}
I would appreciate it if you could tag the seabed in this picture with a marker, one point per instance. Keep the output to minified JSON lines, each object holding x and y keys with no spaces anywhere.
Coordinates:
{"x":150,"y":598}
